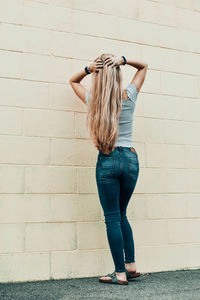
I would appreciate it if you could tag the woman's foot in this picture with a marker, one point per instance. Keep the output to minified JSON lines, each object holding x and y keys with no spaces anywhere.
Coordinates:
{"x":130,"y":267}
{"x":120,"y":276}
{"x":131,"y":271}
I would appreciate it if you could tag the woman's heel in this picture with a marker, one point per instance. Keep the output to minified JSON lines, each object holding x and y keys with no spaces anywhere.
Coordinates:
{"x":133,"y":274}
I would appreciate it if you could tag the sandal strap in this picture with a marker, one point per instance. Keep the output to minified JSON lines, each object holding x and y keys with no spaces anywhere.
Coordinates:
{"x":128,"y":275}
{"x":113,"y":277}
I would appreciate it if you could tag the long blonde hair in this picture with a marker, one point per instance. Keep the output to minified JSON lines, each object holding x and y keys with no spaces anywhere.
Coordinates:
{"x":104,"y":106}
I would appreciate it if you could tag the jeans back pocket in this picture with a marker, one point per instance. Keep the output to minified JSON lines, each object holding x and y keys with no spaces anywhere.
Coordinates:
{"x":133,"y":167}
{"x":106,"y":165}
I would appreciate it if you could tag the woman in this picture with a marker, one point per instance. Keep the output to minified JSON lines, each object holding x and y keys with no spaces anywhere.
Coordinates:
{"x":110,"y":118}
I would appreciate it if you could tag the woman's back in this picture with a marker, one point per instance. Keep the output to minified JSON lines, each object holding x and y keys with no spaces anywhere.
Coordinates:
{"x":126,"y":117}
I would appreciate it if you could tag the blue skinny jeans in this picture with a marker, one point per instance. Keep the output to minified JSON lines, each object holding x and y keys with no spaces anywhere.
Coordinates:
{"x":116,"y":177}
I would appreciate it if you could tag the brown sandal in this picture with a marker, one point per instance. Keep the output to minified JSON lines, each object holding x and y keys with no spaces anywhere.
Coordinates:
{"x":113,"y":279}
{"x":133,"y":274}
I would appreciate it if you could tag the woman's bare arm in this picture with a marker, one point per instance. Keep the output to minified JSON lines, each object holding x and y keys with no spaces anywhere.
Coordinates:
{"x":140,"y":75}
{"x":78,"y":88}
{"x":75,"y":80}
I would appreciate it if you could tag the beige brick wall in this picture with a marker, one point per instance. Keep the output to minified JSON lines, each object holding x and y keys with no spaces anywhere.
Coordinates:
{"x":51,"y":222}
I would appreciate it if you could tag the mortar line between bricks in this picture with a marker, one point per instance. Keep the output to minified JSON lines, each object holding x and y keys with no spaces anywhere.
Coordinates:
{"x":123,"y":41}
{"x":86,"y":167}
{"x":116,"y":16}
{"x":82,"y":112}
{"x":102,"y":221}
{"x":86,"y":139}
{"x":66,"y":83}
{"x":113,"y":39}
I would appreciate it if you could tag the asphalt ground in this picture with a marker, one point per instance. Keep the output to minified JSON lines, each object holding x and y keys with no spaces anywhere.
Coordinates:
{"x":183,"y":284}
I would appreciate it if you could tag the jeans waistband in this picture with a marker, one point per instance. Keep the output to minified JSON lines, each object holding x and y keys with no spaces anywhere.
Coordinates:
{"x":118,"y":148}
{"x":122,"y":147}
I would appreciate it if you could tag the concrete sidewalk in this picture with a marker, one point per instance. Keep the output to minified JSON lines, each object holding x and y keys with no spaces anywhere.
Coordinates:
{"x":184,"y":284}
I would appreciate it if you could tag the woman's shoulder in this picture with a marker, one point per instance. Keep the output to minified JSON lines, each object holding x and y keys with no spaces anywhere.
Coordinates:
{"x":130,"y":92}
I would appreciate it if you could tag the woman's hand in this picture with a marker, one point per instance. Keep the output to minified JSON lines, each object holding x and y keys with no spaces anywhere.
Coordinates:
{"x":115,"y":61}
{"x":96,"y":66}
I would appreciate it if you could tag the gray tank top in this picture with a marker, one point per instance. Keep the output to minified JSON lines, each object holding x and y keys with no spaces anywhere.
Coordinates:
{"x":126,"y":117}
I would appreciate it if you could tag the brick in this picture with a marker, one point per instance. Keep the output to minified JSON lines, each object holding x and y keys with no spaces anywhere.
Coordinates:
{"x":152,"y":83}
{"x":7,"y":42}
{"x":168,"y":2}
{"x":107,"y":262}
{"x":147,"y":103}
{"x":179,"y":39}
{"x":186,"y":19}
{"x":193,"y":205}
{"x":192,"y":158}
{"x":75,"y":207}
{"x":145,"y":33}
{"x":77,"y":263}
{"x":70,"y":152}
{"x":62,"y":18}
{"x":193,"y":256}
{"x":170,"y":60}
{"x":196,"y":5}
{"x":28,"y":150}
{"x":167,"y":14}
{"x":16,"y":92}
{"x":150,"y":232}
{"x":11,"y":11}
{"x":12,"y":179}
{"x":162,"y":258}
{"x":62,"y":70}
{"x":179,"y":85}
{"x":50,"y":237}
{"x":109,"y":24}
{"x":187,"y":4}
{"x":37,"y":40}
{"x":186,"y":60}
{"x":166,"y":206}
{"x":92,"y":235}
{"x":174,"y":130}
{"x":86,"y":180}
{"x":148,"y":11}
{"x":43,"y":1}
{"x":154,"y":56}
{"x":105,"y":7}
{"x":136,"y":207}
{"x":20,"y":208}
{"x":64,"y":3}
{"x":13,"y":69}
{"x":181,"y":132}
{"x":63,"y":97}
{"x":36,"y":266}
{"x":149,"y":130}
{"x":37,"y":67}
{"x":157,"y":13}
{"x":157,"y":180}
{"x":10,"y":120}
{"x":72,"y":45}
{"x":165,"y":155}
{"x":48,"y":123}
{"x":37,"y":14}
{"x":50,"y":179}
{"x":184,"y":231}
{"x":81,"y":130}
{"x":11,"y":238}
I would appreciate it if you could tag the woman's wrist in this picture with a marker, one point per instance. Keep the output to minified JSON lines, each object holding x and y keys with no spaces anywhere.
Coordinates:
{"x":88,"y":69}
{"x":123,"y":60}
{"x":91,"y":68}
